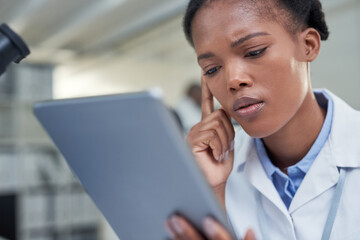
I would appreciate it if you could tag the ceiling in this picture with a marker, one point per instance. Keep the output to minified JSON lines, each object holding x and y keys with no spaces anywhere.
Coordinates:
{"x":61,"y":30}
{"x":57,"y":30}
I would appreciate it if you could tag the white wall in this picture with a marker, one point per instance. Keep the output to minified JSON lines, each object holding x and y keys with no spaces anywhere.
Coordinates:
{"x":161,"y":57}
{"x":338,"y":66}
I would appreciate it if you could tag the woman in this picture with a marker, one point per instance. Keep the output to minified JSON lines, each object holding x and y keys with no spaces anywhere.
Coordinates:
{"x":294,"y":148}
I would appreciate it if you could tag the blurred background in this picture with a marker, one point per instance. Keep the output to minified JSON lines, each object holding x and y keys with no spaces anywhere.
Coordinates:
{"x":92,"y":47}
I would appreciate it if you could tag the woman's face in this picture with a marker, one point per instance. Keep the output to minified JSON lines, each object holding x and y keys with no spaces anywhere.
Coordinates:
{"x":254,"y":67}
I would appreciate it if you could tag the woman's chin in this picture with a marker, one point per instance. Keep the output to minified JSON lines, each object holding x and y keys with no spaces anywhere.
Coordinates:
{"x":261,"y":131}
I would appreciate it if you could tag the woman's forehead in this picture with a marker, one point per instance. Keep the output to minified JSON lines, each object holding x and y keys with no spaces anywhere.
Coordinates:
{"x":223,"y":13}
{"x":259,"y":8}
{"x":227,"y":18}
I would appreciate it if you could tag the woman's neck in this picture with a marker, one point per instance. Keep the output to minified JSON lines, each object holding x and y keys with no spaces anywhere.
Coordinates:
{"x":290,"y":144}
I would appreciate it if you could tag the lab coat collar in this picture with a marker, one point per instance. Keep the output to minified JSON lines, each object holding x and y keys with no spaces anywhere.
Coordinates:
{"x":344,"y":137}
{"x":324,"y":172}
{"x":322,"y":175}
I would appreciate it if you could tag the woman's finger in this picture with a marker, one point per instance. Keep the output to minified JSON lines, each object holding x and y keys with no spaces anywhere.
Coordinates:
{"x":170,"y":230}
{"x":219,"y":127}
{"x":228,"y":125}
{"x":219,"y":121}
{"x":207,"y":100}
{"x":214,"y":230}
{"x":182,"y":229}
{"x":250,"y":235}
{"x":203,"y":140}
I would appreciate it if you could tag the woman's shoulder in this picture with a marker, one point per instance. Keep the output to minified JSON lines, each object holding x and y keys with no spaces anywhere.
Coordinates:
{"x":341,"y":107}
{"x":345,"y":117}
{"x":345,"y":132}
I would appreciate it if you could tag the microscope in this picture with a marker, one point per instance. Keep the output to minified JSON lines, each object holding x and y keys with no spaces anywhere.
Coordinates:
{"x":12,"y":47}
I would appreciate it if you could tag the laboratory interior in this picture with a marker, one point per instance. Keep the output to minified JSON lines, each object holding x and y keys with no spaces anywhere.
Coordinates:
{"x":87,"y":48}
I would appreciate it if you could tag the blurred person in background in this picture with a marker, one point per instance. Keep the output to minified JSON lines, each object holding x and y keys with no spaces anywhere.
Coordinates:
{"x":189,"y":107}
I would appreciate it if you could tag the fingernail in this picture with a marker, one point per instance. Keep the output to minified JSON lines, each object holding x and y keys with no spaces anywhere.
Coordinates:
{"x":209,"y":227}
{"x":250,"y":234}
{"x":226,"y":155}
{"x":177,"y":226}
{"x":232,"y":144}
{"x":169,"y":230}
{"x":220,"y":158}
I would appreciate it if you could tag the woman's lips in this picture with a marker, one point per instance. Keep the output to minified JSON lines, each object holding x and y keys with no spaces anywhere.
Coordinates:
{"x":247,"y":107}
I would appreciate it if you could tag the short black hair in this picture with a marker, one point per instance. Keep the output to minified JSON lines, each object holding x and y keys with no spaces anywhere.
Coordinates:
{"x":300,"y":14}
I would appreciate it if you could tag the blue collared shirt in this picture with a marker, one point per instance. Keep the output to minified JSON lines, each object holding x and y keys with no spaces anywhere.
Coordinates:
{"x":288,"y":185}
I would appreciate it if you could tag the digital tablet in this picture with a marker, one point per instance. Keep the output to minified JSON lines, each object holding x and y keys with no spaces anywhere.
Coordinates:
{"x":132,"y":160}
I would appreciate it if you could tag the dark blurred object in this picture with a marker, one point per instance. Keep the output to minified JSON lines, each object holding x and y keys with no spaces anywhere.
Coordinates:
{"x":8,"y":216}
{"x":194,"y":92}
{"x":177,"y":119}
{"x":12,"y":47}
{"x":189,"y":107}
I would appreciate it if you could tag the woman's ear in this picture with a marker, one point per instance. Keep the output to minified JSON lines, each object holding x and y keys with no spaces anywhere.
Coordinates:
{"x":312,"y":42}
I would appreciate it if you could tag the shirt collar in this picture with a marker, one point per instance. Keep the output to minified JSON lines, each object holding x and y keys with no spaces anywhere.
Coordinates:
{"x":268,"y":166}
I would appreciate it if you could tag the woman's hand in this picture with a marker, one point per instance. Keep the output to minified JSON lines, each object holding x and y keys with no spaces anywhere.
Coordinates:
{"x":179,"y":229}
{"x":212,"y":141}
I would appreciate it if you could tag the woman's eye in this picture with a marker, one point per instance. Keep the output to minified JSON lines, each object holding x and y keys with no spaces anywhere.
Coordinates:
{"x":255,"y":53}
{"x":212,"y":71}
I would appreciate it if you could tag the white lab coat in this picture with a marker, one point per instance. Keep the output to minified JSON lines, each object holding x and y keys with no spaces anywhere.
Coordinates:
{"x":309,"y":208}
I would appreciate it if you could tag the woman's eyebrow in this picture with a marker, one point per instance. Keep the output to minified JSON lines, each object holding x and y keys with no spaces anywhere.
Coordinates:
{"x":247,"y":37}
{"x":234,"y":44}
{"x":205,"y":55}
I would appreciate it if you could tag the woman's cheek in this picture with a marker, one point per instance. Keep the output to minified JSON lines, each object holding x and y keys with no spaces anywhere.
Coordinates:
{"x":214,"y":89}
{"x":218,"y":89}
{"x":218,"y":94}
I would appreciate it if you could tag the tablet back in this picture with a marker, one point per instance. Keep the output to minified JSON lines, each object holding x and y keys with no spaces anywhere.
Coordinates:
{"x":132,"y":160}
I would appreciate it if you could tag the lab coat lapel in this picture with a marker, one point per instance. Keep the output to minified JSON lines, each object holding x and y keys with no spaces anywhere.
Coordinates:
{"x":345,"y":134}
{"x":324,"y":172}
{"x":322,"y":175}
{"x":256,"y":175}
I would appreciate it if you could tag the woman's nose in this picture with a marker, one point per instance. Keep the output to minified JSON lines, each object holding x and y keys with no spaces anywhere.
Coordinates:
{"x":238,"y":78}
